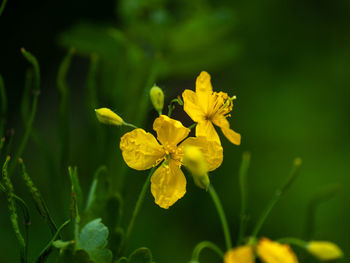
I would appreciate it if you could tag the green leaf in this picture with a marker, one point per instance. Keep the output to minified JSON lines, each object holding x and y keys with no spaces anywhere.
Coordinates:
{"x":141,"y":255}
{"x":93,"y":239}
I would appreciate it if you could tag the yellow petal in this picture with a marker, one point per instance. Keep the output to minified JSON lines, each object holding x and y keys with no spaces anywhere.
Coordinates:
{"x":243,"y":254}
{"x":192,"y":106}
{"x":168,"y":184}
{"x":207,"y":129}
{"x":140,"y":149}
{"x":169,"y":131}
{"x":324,"y":250}
{"x":274,"y":252}
{"x":204,"y":90}
{"x":211,"y":150}
{"x":203,"y":83}
{"x":230,"y":134}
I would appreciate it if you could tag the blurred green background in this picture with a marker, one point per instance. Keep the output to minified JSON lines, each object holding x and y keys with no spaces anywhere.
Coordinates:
{"x":288,"y":63}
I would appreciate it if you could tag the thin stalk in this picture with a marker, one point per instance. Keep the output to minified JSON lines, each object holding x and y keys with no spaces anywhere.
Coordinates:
{"x":171,"y":105}
{"x":136,"y":210}
{"x":222,"y":216}
{"x":25,"y":101}
{"x":278,"y":194}
{"x":38,"y":199}
{"x":36,"y":91}
{"x":48,"y":248}
{"x":244,"y":196}
{"x":202,"y":245}
{"x":293,"y":241}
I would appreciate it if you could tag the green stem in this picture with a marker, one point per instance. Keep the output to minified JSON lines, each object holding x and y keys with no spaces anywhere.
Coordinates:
{"x":202,"y":245}
{"x":130,"y":125}
{"x":222,"y":216}
{"x":243,"y":188}
{"x":38,"y":199}
{"x":278,"y":194}
{"x":2,"y":7}
{"x":36,"y":91}
{"x":171,"y":105}
{"x":136,"y":210}
{"x":293,"y":241}
{"x":48,"y":248}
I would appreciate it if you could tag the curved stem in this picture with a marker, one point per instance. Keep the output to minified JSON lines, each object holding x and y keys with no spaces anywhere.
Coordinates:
{"x":293,"y":241}
{"x":222,"y":216}
{"x":202,"y":245}
{"x":136,"y":210}
{"x":277,"y":196}
{"x":36,"y":91}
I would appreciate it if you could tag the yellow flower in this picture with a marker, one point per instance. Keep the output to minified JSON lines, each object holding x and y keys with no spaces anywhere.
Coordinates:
{"x":242,"y":254}
{"x":274,"y":252}
{"x":141,"y":151}
{"x":324,"y":250}
{"x":207,"y":108}
{"x":267,"y":250}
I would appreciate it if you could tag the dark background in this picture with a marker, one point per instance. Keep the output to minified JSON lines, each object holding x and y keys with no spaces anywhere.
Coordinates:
{"x":287,"y":62}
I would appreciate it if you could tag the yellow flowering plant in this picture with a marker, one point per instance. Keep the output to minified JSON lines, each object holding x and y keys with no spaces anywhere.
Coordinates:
{"x":164,"y":153}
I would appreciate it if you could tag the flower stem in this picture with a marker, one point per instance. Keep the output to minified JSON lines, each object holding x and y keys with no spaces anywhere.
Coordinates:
{"x":293,"y":241}
{"x":36,"y":91}
{"x":202,"y":245}
{"x":222,"y":216}
{"x":136,"y":211}
{"x":243,"y":188}
{"x":277,"y":196}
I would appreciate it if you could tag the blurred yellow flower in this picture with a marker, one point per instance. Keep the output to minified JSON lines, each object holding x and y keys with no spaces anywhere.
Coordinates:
{"x":242,"y":254}
{"x":267,"y":250}
{"x":274,"y":252}
{"x":207,"y":108}
{"x":194,"y":161}
{"x":324,"y":250}
{"x":142,"y":151}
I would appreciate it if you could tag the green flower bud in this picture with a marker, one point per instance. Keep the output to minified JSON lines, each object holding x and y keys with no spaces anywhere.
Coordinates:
{"x":195,"y":162}
{"x":324,"y":250}
{"x":106,"y":116}
{"x":157,"y":98}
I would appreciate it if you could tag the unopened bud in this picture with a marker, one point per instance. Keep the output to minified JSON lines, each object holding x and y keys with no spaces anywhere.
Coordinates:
{"x":324,"y":250}
{"x":107,"y":116}
{"x":157,"y":98}
{"x":195,"y":162}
